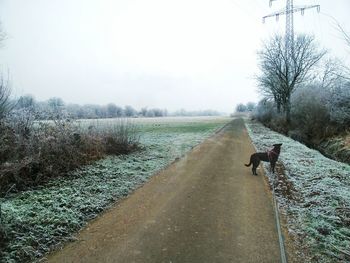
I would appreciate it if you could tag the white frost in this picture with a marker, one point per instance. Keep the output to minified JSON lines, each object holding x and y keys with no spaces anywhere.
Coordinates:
{"x":319,"y":211}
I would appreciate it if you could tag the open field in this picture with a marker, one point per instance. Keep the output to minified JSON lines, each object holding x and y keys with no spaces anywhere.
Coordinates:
{"x":313,"y":193}
{"x":41,"y":219}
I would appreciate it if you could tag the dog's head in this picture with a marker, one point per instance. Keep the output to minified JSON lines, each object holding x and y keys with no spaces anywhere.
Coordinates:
{"x":277,"y":145}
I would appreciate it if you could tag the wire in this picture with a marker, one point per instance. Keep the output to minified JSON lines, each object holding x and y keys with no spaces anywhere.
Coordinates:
{"x":243,"y":9}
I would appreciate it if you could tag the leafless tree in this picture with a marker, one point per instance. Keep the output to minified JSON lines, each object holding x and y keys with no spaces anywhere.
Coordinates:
{"x":283,"y":70}
{"x":129,"y":111}
{"x":269,"y":87}
{"x":5,"y":103}
{"x":251,"y":106}
{"x":2,"y":35}
{"x":332,"y":73}
{"x":346,"y":37}
{"x":5,"y":90}
{"x":241,"y":107}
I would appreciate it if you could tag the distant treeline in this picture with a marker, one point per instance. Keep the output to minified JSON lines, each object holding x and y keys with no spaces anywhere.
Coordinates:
{"x":249,"y":107}
{"x":48,"y":109}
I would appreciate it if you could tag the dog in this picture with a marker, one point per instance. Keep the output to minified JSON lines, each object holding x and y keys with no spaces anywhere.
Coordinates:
{"x":269,"y":156}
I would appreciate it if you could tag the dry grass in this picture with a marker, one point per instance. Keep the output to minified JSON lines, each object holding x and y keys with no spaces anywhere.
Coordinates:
{"x":33,"y":153}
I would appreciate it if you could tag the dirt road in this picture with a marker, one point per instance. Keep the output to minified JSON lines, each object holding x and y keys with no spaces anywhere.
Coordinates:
{"x":206,"y":207}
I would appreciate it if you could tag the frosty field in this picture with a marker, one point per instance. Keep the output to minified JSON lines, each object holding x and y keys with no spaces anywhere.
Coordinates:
{"x":42,"y":219}
{"x":314,"y":194}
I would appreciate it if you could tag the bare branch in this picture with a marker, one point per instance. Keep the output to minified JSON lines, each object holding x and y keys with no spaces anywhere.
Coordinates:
{"x":5,"y":103}
{"x":283,"y":70}
{"x":345,"y":34}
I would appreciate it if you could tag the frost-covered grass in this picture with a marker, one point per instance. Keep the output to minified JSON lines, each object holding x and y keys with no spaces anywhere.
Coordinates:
{"x":41,"y":219}
{"x":313,"y":192}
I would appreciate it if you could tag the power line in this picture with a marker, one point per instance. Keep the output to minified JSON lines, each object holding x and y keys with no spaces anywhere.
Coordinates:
{"x":288,"y":12}
{"x":247,"y":11}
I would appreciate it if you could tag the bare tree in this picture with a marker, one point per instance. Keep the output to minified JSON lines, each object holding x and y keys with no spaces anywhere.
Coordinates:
{"x":333,"y":73}
{"x":129,"y":111}
{"x":283,"y":70}
{"x":251,"y":106}
{"x":26,"y":102}
{"x":143,"y":111}
{"x":346,"y":36}
{"x":241,"y":107}
{"x":269,"y":87}
{"x":6,"y":104}
{"x":2,"y":36}
{"x":112,"y":110}
{"x":5,"y":90}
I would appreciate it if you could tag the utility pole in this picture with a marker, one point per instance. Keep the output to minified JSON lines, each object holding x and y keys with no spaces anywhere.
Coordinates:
{"x":288,"y":12}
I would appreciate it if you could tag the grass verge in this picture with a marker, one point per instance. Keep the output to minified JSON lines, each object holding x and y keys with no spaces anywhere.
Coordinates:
{"x":313,"y":193}
{"x":44,"y":218}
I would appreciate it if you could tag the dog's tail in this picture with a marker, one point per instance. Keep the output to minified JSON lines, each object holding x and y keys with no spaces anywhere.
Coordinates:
{"x":250,"y":163}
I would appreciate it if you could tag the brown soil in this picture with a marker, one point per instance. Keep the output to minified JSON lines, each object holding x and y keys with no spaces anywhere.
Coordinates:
{"x":206,"y":207}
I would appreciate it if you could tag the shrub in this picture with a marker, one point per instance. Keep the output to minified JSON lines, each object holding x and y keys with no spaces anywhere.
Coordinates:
{"x":265,"y":111}
{"x":339,"y":106}
{"x":320,"y":112}
{"x":121,"y":138}
{"x":33,"y":152}
{"x":320,"y":115}
{"x":310,"y":115}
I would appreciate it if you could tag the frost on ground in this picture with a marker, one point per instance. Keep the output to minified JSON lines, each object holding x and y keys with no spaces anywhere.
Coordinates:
{"x":314,"y":194}
{"x":36,"y":221}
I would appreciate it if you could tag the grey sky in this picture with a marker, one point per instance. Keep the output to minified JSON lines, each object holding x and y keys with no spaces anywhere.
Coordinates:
{"x":193,"y":54}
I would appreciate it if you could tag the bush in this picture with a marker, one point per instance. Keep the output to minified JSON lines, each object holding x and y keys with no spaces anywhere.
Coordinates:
{"x":3,"y":235}
{"x":33,"y":152}
{"x":321,"y":113}
{"x":316,"y":113}
{"x":310,"y":115}
{"x":266,"y":113}
{"x":320,"y":116}
{"x":339,"y":106}
{"x":121,"y":138}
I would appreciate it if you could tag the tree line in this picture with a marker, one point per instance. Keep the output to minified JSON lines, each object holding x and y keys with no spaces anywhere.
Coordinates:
{"x":54,"y":105}
{"x":248,"y":107}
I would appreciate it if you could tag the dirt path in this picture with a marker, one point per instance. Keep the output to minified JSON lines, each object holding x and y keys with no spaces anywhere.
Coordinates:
{"x":206,"y":207}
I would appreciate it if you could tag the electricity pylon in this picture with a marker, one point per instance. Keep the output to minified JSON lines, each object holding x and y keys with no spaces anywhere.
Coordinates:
{"x":288,"y":12}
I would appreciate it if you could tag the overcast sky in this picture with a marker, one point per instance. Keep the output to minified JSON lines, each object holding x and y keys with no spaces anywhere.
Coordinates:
{"x":192,"y":54}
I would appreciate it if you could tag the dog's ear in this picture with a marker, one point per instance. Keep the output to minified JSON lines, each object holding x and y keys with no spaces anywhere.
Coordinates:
{"x":278,"y":145}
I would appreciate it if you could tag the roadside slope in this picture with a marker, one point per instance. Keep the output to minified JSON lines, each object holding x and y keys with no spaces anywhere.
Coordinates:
{"x":313,"y":194}
{"x":207,"y":207}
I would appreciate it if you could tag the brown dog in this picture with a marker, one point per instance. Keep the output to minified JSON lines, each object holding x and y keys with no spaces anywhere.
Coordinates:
{"x":269,"y":156}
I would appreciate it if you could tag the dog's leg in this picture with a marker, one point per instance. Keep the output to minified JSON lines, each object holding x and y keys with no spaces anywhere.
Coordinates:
{"x":273,"y":167}
{"x":255,"y":166}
